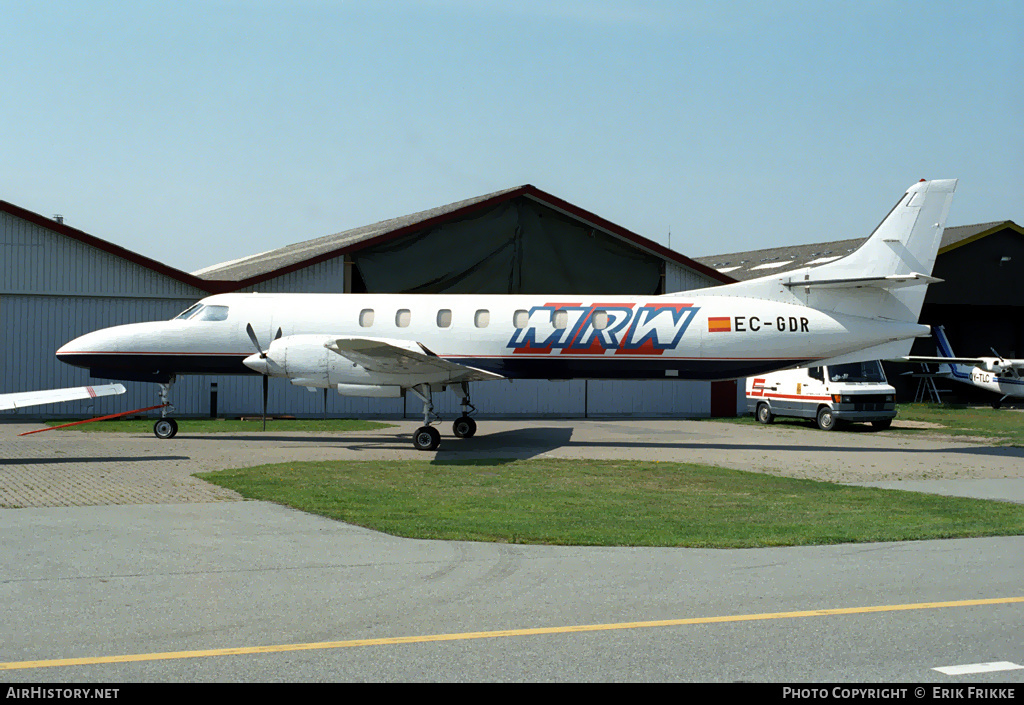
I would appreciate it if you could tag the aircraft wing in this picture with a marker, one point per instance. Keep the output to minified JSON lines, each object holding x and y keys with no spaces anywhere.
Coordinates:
{"x":18,"y":400}
{"x":941,"y":360}
{"x":403,"y":357}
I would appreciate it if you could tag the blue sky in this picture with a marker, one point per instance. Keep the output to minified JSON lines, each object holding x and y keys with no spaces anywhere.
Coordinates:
{"x":199,"y":132}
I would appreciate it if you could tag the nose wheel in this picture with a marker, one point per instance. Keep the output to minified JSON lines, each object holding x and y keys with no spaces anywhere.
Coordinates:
{"x":165,"y":428}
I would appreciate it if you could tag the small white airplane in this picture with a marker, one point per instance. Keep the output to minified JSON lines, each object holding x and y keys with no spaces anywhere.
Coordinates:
{"x":19,"y":400}
{"x":861,"y":307}
{"x":996,"y":374}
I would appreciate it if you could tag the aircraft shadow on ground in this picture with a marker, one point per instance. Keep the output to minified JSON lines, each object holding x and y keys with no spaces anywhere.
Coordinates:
{"x":92,"y":459}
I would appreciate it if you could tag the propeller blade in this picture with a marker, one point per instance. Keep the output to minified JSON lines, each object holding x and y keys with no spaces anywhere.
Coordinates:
{"x":255,"y":340}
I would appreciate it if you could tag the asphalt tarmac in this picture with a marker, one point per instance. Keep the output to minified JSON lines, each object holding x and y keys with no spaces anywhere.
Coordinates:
{"x":102,"y":582}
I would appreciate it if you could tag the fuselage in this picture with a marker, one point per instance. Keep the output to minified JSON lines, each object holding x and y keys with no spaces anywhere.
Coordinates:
{"x":1005,"y":382}
{"x":515,"y":336}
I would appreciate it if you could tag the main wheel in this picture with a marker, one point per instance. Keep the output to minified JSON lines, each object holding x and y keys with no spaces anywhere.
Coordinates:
{"x":426,"y":438}
{"x":165,"y":428}
{"x":997,"y":403}
{"x":764,"y":413}
{"x":464,"y":427}
{"x":826,"y":421}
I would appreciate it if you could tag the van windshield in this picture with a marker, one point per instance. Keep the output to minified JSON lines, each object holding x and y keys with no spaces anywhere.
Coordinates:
{"x":870,"y":371}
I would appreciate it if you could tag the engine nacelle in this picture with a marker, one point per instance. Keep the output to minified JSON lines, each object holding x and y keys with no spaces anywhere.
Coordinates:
{"x":306,"y":361}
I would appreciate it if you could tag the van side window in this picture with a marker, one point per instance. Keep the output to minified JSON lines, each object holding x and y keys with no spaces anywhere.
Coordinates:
{"x":482,"y":319}
{"x":816,"y":373}
{"x":366,"y":317}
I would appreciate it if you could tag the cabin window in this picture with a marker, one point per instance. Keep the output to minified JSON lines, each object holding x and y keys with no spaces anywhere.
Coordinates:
{"x":599,"y":320}
{"x":444,"y":318}
{"x":559,"y":319}
{"x":482,"y":319}
{"x":212,"y":313}
{"x":366,"y":317}
{"x":402,"y":318}
{"x":521,"y":319}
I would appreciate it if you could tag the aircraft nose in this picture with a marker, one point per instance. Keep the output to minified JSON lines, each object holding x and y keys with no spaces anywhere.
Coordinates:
{"x":256,"y":363}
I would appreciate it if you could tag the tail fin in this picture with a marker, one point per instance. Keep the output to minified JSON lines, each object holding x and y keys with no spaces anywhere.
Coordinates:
{"x":885,"y":278}
{"x":944,"y":349}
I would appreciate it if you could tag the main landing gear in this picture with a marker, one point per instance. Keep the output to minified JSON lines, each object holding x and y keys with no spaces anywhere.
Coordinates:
{"x":166,"y":427}
{"x":426,"y":436}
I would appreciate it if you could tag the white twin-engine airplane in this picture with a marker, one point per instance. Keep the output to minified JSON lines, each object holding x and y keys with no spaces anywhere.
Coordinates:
{"x":996,"y":374}
{"x":861,"y":307}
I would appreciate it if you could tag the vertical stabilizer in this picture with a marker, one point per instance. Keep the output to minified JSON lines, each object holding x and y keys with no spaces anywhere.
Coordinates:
{"x":885,"y":278}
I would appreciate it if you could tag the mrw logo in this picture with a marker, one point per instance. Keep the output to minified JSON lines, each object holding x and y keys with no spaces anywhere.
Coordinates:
{"x":602,"y":329}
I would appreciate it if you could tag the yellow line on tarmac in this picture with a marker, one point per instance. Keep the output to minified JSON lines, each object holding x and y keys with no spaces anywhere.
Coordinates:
{"x":282,"y":648}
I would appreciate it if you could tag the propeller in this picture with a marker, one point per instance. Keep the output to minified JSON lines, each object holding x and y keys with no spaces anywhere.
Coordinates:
{"x":263,"y":356}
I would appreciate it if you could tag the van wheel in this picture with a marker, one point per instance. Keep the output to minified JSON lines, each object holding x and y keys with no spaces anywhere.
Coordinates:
{"x":764,"y":414}
{"x":826,"y":421}
{"x":881,"y":424}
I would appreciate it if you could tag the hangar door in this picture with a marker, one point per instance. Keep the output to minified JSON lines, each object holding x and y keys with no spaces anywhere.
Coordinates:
{"x":516,"y":247}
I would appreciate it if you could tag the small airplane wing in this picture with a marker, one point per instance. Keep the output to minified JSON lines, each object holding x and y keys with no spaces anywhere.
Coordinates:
{"x":941,"y":360}
{"x":403,"y":357}
{"x":18,"y":400}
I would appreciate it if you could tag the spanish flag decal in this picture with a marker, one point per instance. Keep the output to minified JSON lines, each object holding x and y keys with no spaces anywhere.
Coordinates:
{"x":719,"y":324}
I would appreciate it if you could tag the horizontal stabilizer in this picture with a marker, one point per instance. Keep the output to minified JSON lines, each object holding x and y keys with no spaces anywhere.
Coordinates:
{"x":893,"y":281}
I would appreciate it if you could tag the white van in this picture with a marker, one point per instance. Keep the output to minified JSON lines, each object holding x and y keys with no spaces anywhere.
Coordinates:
{"x":856,"y":391}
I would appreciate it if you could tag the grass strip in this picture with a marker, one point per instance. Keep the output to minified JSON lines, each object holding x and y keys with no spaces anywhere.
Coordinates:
{"x":612,"y":503}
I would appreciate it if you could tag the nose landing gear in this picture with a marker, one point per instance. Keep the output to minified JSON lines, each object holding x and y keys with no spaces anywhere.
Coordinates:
{"x":166,"y":427}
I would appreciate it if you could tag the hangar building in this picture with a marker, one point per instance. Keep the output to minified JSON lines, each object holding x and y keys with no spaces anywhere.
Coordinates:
{"x":980,"y":301}
{"x":58,"y":283}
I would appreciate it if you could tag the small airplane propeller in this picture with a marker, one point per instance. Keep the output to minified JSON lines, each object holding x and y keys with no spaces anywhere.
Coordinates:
{"x":263,"y":355}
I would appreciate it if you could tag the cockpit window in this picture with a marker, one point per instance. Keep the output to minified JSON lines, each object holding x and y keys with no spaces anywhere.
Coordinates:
{"x":212,"y":313}
{"x":187,"y":313}
{"x":201,"y":312}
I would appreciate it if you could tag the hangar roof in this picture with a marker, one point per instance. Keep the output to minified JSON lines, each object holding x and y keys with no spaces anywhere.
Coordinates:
{"x":105,"y":246}
{"x":758,"y":263}
{"x":259,"y":267}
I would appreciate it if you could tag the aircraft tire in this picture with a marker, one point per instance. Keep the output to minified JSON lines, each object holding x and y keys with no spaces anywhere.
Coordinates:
{"x":826,"y":421}
{"x":997,"y":403}
{"x":426,"y":438}
{"x":464,"y":427}
{"x":764,"y":413}
{"x":165,"y":428}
